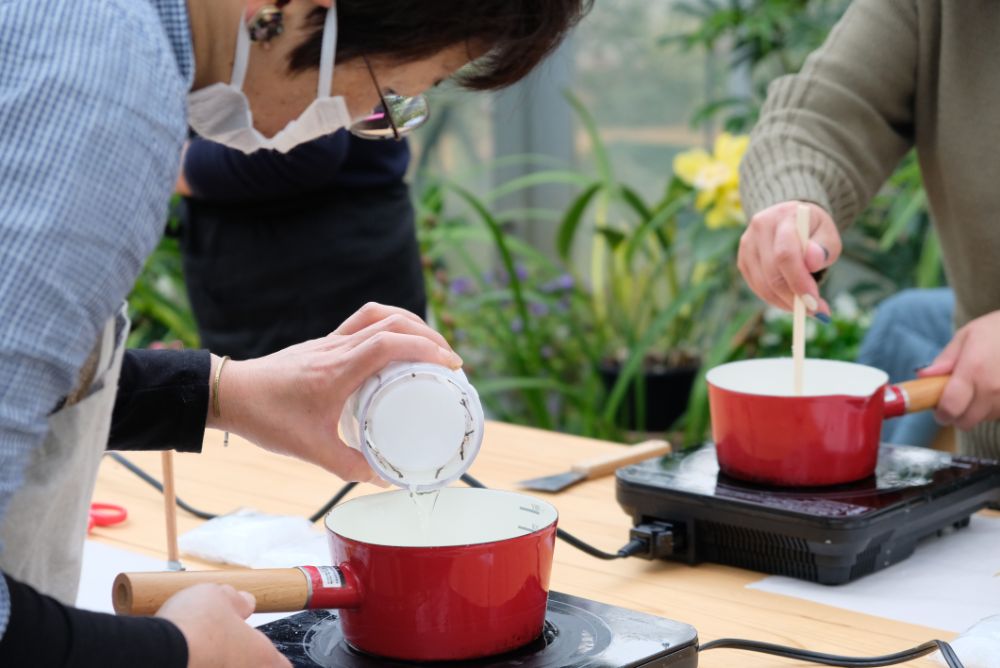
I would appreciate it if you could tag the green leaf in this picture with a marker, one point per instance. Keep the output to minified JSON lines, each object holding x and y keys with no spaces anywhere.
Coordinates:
{"x":571,"y":222}
{"x":614,"y":237}
{"x":710,"y":244}
{"x":652,"y":225}
{"x":492,"y":386}
{"x":634,"y":200}
{"x":597,"y":145}
{"x":929,"y":266}
{"x":903,"y":219}
{"x":696,"y":417}
{"x":638,"y":352}
{"x":543,"y":178}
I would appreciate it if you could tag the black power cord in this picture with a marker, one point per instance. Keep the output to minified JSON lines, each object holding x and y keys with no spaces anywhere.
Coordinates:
{"x":201,"y":514}
{"x":631,"y":548}
{"x":834,"y":660}
{"x":158,"y":486}
{"x":650,"y":541}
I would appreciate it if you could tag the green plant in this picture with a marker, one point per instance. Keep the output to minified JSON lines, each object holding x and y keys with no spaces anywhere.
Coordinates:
{"x":158,"y":304}
{"x":765,"y":39}
{"x":658,"y":285}
{"x":521,"y":328}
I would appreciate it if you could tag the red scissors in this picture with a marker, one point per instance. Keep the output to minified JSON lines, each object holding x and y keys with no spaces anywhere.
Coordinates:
{"x":105,"y":515}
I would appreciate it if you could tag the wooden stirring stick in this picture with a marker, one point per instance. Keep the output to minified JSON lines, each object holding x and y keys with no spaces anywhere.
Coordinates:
{"x":799,"y":308}
{"x":170,"y":508}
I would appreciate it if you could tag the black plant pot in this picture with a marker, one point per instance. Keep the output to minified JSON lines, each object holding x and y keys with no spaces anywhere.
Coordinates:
{"x":667,"y":393}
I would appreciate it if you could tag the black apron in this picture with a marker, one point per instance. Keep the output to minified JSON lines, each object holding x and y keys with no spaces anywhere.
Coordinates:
{"x":264,"y":276}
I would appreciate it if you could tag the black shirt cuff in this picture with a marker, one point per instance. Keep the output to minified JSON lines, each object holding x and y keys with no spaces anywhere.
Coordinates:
{"x":162,"y":400}
{"x":43,"y":633}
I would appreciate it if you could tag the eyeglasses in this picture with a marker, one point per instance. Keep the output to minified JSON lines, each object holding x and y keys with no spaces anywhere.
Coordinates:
{"x":395,"y":117}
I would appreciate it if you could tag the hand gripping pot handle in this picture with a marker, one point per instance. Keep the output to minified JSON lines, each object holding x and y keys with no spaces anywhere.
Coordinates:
{"x":276,"y":589}
{"x":914,"y":396}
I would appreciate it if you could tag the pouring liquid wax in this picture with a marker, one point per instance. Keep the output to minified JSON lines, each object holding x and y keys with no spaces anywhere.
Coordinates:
{"x":424,"y":503}
{"x":419,"y":426}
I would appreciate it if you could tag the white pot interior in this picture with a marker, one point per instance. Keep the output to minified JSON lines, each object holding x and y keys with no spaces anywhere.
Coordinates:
{"x":448,"y":517}
{"x":774,"y":377}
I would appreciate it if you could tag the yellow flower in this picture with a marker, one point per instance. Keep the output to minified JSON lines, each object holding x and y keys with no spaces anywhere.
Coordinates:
{"x":727,"y":210}
{"x":715,"y":178}
{"x":730,"y":149}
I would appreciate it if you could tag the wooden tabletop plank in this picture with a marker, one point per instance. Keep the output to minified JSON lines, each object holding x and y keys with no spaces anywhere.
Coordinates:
{"x":711,"y":597}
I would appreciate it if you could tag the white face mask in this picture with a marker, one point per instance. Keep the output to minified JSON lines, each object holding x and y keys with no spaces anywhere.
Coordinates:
{"x":221,"y":112}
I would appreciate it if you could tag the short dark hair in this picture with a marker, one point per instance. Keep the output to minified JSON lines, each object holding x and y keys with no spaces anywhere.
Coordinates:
{"x":517,"y":34}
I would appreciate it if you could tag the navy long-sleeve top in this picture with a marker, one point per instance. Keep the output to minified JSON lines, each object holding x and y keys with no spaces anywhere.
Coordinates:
{"x":221,"y":174}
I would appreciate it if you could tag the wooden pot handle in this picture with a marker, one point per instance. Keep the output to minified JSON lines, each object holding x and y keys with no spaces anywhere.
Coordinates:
{"x":276,"y":589}
{"x":923,"y":393}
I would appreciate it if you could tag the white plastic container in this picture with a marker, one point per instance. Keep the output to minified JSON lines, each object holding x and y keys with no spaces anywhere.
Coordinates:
{"x":419,"y":426}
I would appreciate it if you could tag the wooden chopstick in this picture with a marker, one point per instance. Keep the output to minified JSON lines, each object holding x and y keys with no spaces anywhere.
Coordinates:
{"x":170,"y":508}
{"x":799,"y":309}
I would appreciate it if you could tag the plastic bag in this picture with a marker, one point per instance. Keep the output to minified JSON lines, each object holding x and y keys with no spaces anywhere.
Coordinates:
{"x":251,"y":538}
{"x":979,"y":645}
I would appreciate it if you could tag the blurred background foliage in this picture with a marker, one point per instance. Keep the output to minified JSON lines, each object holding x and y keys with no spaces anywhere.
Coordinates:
{"x":572,"y":313}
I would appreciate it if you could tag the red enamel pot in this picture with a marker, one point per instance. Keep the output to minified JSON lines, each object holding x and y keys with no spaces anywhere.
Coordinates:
{"x":463,"y":578}
{"x":829,"y":435}
{"x":468,"y":579}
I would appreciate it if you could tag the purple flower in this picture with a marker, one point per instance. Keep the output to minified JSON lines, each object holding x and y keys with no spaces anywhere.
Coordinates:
{"x":500,"y":277}
{"x":563,"y":283}
{"x":516,"y":325}
{"x":461,"y":286}
{"x":521,"y":271}
{"x":539,"y":309}
{"x":547,"y":352}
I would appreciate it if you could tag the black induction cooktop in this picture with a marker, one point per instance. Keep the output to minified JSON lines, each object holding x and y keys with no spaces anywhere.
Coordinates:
{"x":578,"y":633}
{"x":830,"y":535}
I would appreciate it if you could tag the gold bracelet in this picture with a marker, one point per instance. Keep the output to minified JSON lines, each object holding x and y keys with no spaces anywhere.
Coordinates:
{"x":218,"y":376}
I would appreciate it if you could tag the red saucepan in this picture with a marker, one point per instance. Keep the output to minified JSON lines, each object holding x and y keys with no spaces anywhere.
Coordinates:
{"x":764,"y":433}
{"x":468,"y":579}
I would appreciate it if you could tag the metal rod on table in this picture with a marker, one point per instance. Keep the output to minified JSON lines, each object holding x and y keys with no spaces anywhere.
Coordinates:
{"x":170,"y":508}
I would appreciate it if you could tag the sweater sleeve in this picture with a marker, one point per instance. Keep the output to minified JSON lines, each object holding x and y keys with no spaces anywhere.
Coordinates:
{"x":162,"y":400}
{"x":834,"y":132}
{"x":44,"y":633}
{"x":221,"y":174}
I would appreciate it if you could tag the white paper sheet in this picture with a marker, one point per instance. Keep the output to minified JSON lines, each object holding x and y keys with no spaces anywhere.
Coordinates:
{"x":948,"y":583}
{"x":102,"y":563}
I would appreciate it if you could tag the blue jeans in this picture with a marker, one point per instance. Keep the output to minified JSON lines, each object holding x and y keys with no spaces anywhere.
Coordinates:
{"x":908,"y":331}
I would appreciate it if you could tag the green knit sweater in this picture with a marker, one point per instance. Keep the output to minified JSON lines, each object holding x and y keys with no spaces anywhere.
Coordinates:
{"x":892,"y":75}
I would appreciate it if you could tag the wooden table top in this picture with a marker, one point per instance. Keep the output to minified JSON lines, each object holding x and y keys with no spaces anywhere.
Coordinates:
{"x":713,"y":598}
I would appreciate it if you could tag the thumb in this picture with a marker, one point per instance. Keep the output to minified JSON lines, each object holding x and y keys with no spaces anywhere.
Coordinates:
{"x":824,"y":245}
{"x":247,"y":604}
{"x":242,"y":602}
{"x":945,"y":361}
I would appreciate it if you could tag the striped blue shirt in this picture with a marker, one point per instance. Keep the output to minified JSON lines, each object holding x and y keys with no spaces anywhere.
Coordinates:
{"x":92,"y":120}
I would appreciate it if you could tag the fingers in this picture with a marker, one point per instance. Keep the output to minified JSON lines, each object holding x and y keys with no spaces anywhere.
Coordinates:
{"x":790,"y":264}
{"x":955,"y":400}
{"x":946,"y":360}
{"x":969,"y":396}
{"x":346,"y":463}
{"x":753,"y":269}
{"x":824,"y":246}
{"x":401,"y":324}
{"x":371,"y":313}
{"x":242,"y":602}
{"x":774,"y":262}
{"x":378,"y":350}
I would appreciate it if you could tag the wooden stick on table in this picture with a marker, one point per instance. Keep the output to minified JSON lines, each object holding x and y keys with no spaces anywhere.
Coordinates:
{"x":799,"y":308}
{"x":170,"y":508}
